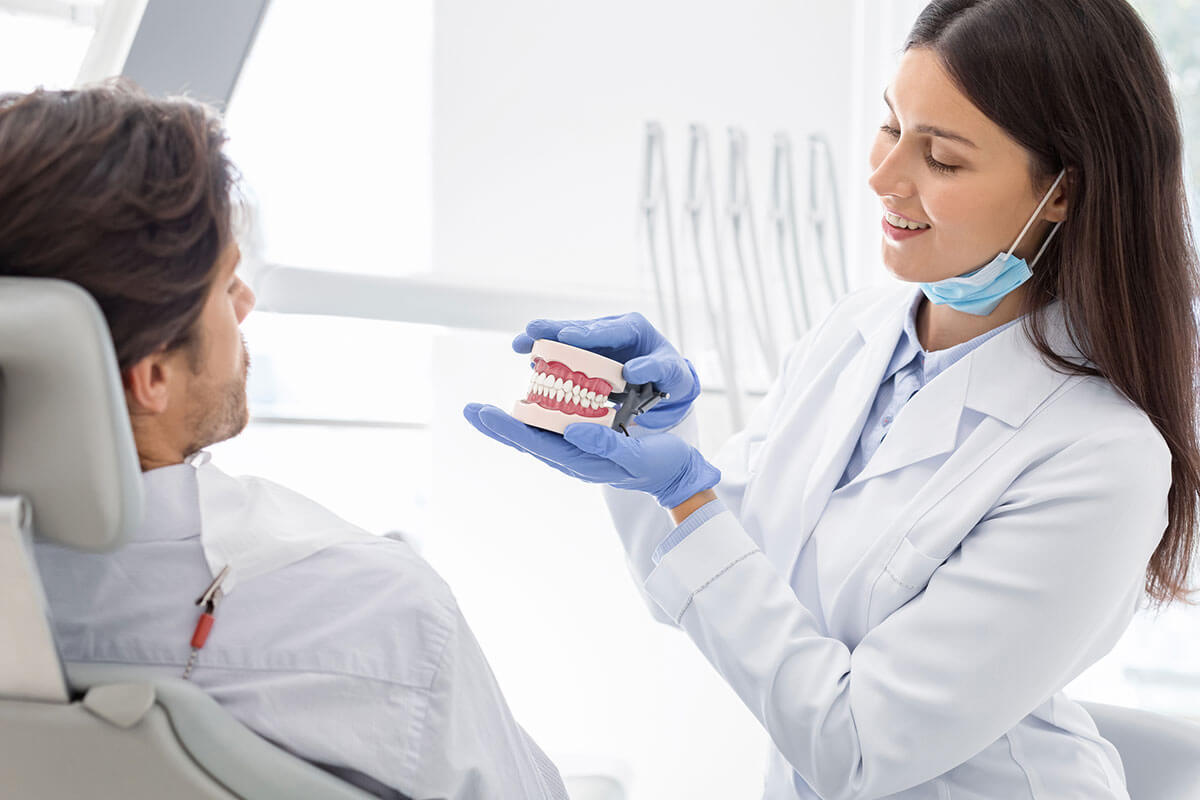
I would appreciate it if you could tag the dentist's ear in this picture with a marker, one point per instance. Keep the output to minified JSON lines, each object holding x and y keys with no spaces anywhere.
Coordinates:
{"x":1057,"y":207}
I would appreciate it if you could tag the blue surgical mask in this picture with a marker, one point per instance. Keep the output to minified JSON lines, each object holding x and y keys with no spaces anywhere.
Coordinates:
{"x":980,"y":291}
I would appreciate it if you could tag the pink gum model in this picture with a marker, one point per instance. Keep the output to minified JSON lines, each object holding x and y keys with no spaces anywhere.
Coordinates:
{"x":569,"y":385}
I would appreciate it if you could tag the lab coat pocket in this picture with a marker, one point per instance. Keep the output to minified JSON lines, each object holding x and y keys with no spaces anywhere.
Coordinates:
{"x":904,"y":577}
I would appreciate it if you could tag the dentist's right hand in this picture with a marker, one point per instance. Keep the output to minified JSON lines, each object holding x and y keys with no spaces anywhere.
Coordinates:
{"x":646,"y":353}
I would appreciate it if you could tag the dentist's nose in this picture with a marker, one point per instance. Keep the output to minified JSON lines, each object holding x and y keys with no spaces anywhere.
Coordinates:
{"x":888,"y":180}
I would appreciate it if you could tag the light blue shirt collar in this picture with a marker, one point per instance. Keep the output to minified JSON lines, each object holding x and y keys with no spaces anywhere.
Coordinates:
{"x":172,"y":504}
{"x":934,"y":362}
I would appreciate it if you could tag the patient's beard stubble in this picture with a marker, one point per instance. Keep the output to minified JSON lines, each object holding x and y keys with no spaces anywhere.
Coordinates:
{"x":226,"y":416}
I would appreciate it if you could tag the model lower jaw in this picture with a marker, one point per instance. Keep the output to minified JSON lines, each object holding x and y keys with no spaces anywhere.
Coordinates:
{"x":559,"y":402}
{"x":557,"y":421}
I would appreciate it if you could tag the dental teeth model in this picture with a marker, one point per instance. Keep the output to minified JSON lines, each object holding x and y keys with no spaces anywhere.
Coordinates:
{"x":569,"y":385}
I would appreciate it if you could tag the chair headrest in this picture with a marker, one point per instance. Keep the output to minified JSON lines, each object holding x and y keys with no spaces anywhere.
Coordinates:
{"x":65,"y":439}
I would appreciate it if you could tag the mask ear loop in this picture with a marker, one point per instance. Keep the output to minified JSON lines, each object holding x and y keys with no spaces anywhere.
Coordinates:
{"x":1045,"y":244}
{"x":1037,"y":211}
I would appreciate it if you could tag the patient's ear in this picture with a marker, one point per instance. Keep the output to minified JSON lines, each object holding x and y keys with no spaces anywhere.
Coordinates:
{"x":147,"y":384}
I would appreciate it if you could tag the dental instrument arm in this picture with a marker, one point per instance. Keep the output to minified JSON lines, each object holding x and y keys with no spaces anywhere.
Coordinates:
{"x":700,"y":198}
{"x":655,"y":214}
{"x":741,"y":220}
{"x":783,"y":222}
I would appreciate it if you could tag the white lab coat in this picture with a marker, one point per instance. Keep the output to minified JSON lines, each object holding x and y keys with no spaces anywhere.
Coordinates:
{"x":909,"y":634}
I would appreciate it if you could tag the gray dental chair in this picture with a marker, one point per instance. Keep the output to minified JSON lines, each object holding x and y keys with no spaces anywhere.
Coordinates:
{"x":69,"y":473}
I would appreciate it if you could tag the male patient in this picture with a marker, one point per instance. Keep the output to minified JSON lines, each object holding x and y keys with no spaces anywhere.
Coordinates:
{"x":357,"y":657}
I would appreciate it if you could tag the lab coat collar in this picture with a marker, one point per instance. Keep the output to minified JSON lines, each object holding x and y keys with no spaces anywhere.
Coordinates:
{"x":939,"y":404}
{"x":1007,"y":379}
{"x":880,"y":324}
{"x":1004,"y":378}
{"x":1009,"y":376}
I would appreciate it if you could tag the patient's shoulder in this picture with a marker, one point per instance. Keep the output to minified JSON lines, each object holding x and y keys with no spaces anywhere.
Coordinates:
{"x":374,"y":609}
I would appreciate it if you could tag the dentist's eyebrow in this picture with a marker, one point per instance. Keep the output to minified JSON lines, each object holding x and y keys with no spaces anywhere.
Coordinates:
{"x":933,"y":131}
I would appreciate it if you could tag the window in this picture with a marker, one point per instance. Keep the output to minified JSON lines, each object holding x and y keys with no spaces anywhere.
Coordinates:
{"x":1176,"y":24}
{"x":44,"y":44}
{"x":330,"y":124}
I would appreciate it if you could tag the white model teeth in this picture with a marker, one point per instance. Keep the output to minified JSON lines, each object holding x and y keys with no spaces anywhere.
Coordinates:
{"x":900,"y":222}
{"x":545,"y":385}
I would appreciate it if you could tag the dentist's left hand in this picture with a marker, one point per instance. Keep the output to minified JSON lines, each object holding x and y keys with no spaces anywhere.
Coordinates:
{"x":660,"y":464}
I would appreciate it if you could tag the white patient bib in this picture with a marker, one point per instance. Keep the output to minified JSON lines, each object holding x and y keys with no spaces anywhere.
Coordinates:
{"x":256,"y":526}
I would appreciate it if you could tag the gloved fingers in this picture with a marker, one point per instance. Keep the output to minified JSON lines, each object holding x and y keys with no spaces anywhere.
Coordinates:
{"x":544,"y":444}
{"x":540,"y":329}
{"x":522,"y":343}
{"x":471,"y":412}
{"x":604,"y":442}
{"x":666,"y":370}
{"x":624,"y":337}
{"x":546,"y":329}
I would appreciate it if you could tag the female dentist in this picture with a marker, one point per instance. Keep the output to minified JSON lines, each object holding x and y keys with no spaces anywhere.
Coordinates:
{"x":938,"y":517}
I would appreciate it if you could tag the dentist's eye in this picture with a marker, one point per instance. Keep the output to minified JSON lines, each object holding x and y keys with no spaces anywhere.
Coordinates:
{"x":933,"y":163}
{"x":938,"y":166}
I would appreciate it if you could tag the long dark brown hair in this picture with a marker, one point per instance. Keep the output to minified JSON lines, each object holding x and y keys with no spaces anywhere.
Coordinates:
{"x":1080,"y":84}
{"x":126,"y":195}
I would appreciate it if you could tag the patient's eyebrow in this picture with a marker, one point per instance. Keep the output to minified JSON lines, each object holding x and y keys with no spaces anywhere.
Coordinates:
{"x":932,"y":130}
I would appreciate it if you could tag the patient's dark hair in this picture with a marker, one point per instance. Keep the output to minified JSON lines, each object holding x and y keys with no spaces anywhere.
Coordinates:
{"x":1080,"y":84}
{"x":123,"y":194}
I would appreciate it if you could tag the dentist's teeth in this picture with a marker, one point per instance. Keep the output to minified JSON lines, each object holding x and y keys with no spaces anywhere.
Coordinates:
{"x":900,"y":222}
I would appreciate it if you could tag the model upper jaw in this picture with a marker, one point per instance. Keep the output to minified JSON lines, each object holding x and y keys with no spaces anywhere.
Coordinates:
{"x":569,"y":385}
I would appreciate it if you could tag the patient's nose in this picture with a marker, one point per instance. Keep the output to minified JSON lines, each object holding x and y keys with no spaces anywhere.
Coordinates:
{"x":246,"y":300}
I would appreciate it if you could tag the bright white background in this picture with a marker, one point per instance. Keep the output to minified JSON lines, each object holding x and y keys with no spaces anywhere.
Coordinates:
{"x":501,"y":143}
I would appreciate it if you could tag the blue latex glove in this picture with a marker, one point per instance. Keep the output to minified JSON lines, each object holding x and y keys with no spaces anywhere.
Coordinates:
{"x":661,"y":464}
{"x":647,"y":355}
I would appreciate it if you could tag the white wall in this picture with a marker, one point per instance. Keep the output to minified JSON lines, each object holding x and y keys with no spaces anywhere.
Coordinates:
{"x":539,"y":108}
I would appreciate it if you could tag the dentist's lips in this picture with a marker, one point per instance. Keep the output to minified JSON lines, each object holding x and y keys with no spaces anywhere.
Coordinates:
{"x":900,"y":234}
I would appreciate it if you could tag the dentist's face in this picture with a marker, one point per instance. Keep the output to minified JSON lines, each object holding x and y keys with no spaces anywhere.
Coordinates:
{"x":938,"y":160}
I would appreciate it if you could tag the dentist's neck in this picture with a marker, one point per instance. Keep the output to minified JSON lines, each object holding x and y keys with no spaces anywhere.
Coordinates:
{"x":941,"y":327}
